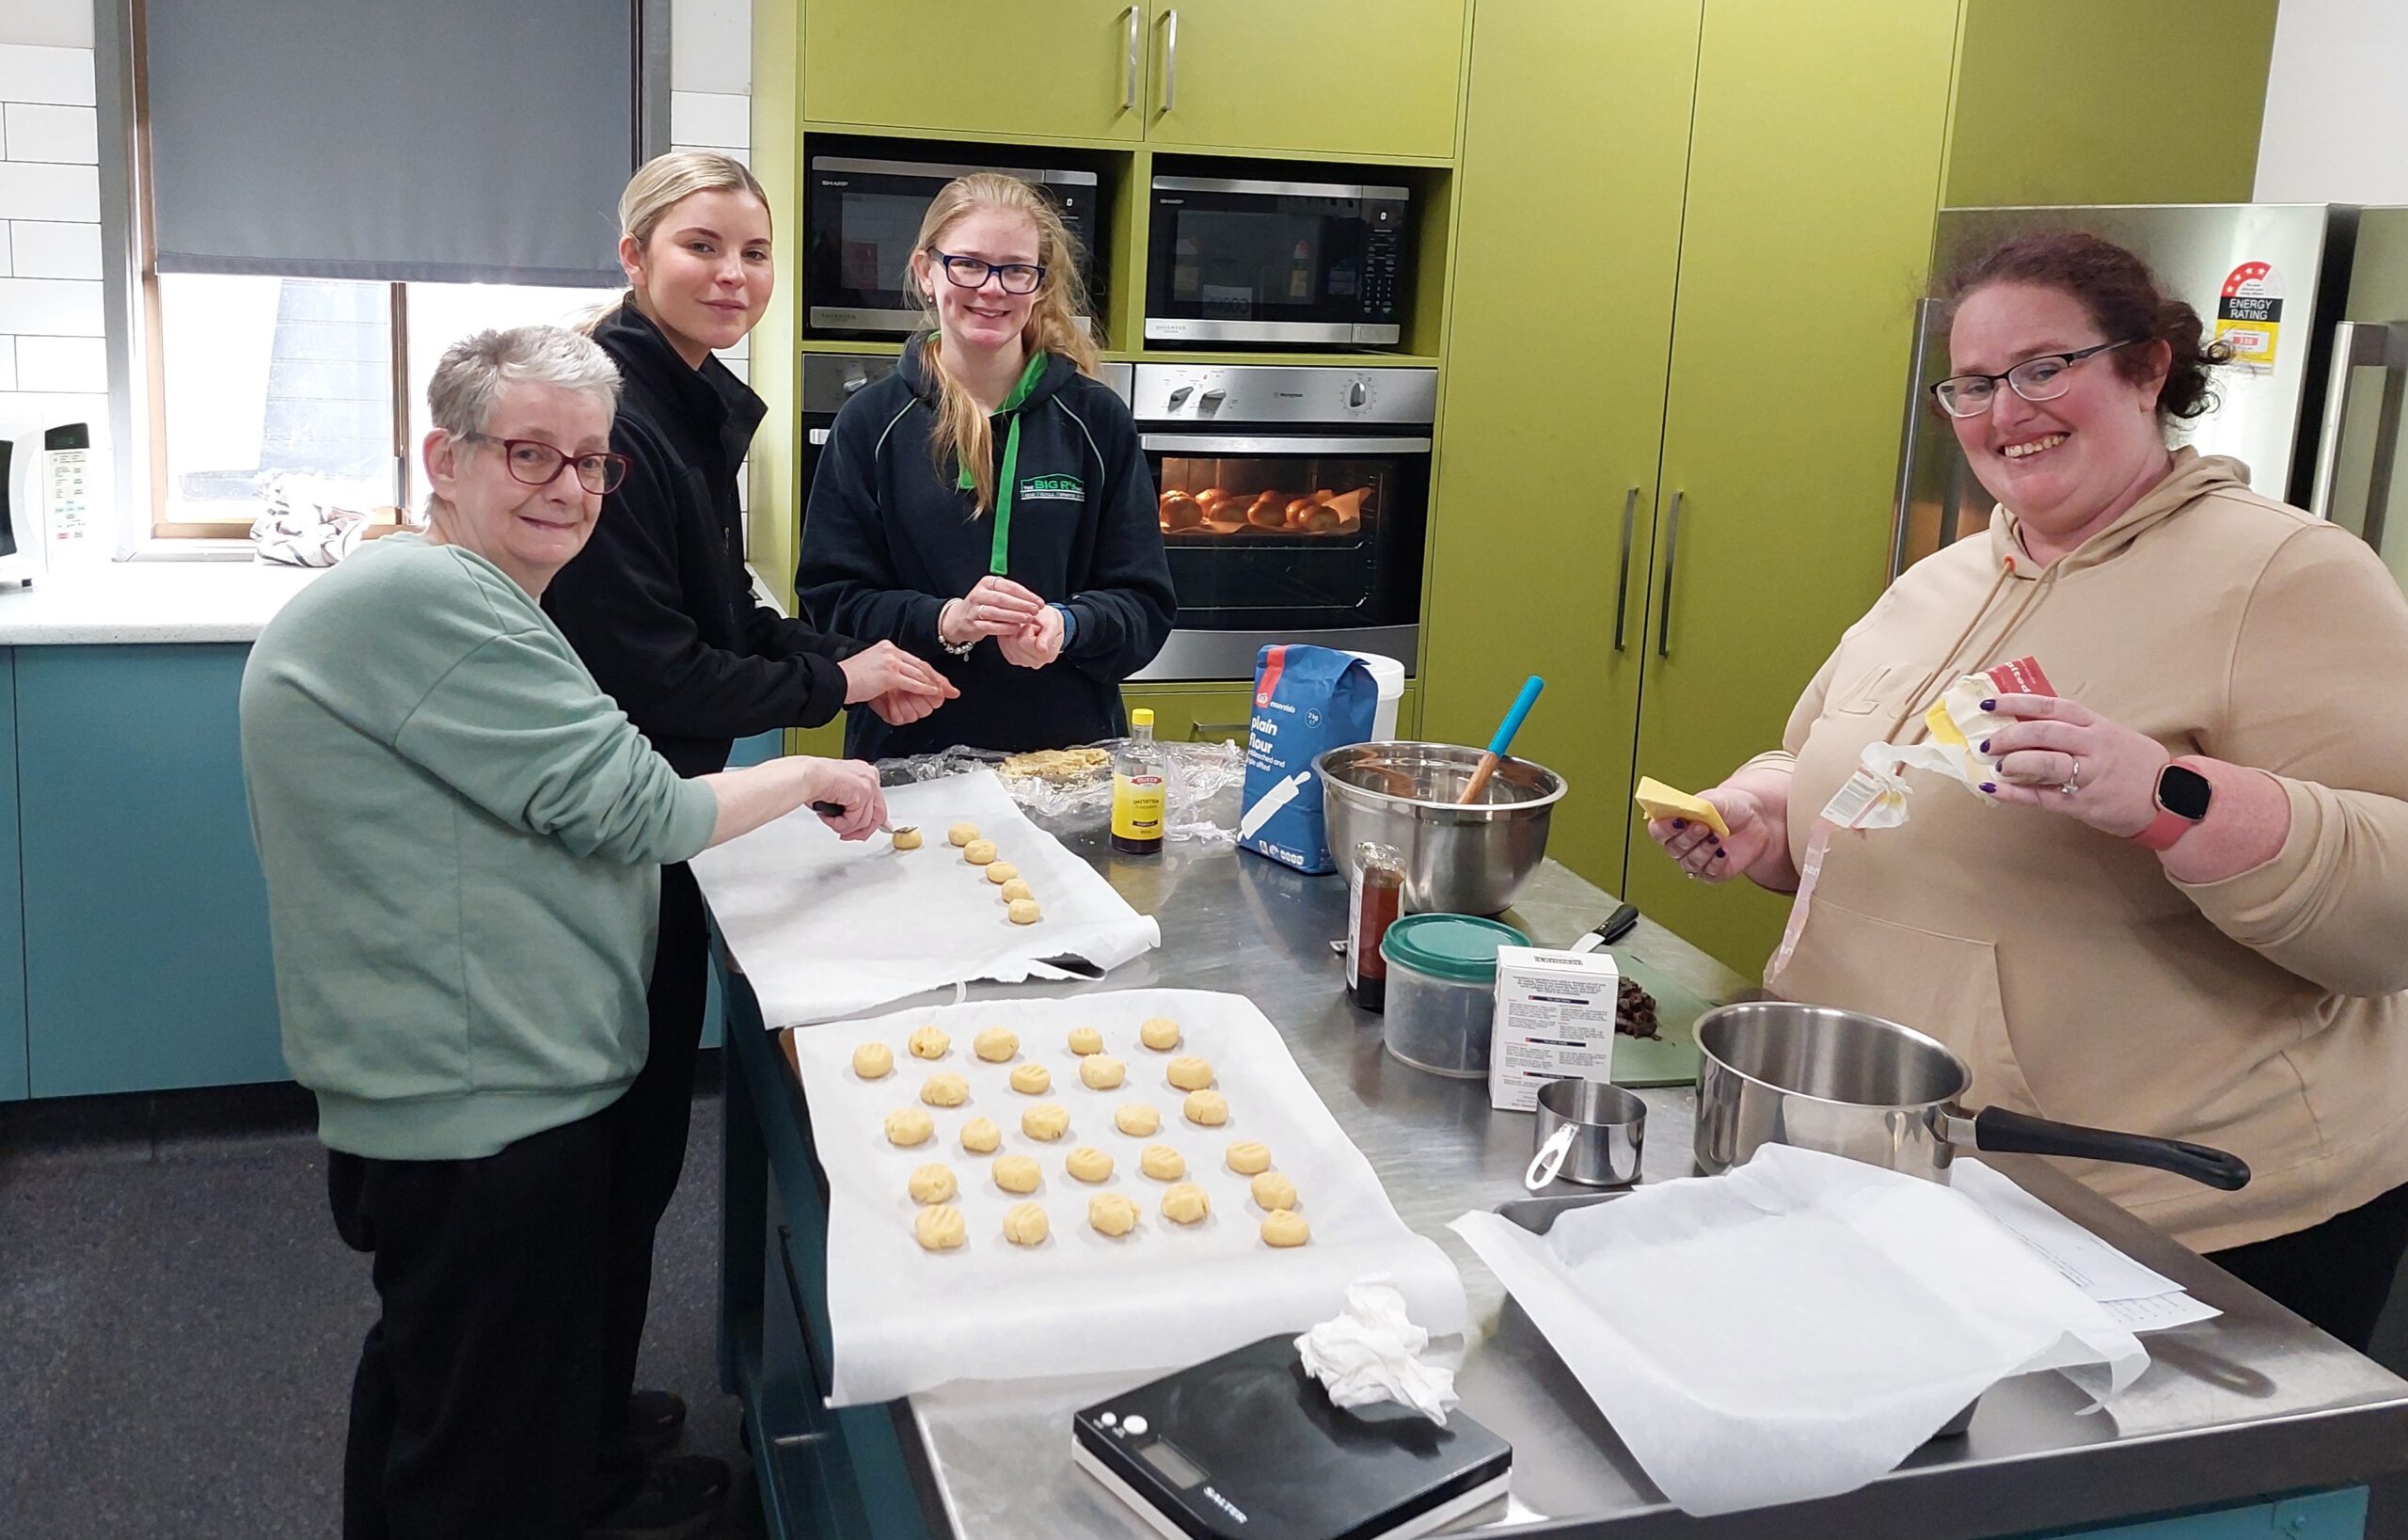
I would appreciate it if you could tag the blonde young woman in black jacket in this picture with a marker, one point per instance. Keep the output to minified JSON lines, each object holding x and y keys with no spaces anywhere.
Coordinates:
{"x":659,"y":607}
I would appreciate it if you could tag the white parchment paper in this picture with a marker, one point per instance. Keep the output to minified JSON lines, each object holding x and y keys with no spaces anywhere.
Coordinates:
{"x":1796,"y":1327}
{"x":825,"y":930}
{"x":1162,"y":1296}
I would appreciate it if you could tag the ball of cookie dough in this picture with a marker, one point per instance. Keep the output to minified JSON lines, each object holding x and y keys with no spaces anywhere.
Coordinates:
{"x":1016,"y":889}
{"x":1002,"y":873}
{"x":1162,"y":1163}
{"x":873,"y":1061}
{"x":1189,"y":1073}
{"x":1160,"y":1033}
{"x":908,"y":1126}
{"x":1086,"y":1039}
{"x":1025,"y":912}
{"x":1046,"y":1120}
{"x":996,"y":1044}
{"x":1101,"y":1071}
{"x":929,"y":1043}
{"x":1136,"y":1120}
{"x":1273,"y":1191}
{"x":1016,"y":1173}
{"x":907,"y":839}
{"x":979,"y":851}
{"x":1248,"y":1156}
{"x":1089,"y":1164}
{"x":945,"y":1091}
{"x":940,"y":1227}
{"x":1111,"y":1214}
{"x":980,"y":1135}
{"x":1185,"y":1204}
{"x":1285,"y":1227}
{"x":1032,"y":1079}
{"x":962,"y":834}
{"x":1026,"y":1225}
{"x":933,"y":1184}
{"x":1207,"y":1109}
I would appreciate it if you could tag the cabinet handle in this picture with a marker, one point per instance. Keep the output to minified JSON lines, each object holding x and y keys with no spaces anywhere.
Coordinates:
{"x":1133,"y":64}
{"x":1671,"y":554}
{"x":1170,"y":60}
{"x":1622,"y":585}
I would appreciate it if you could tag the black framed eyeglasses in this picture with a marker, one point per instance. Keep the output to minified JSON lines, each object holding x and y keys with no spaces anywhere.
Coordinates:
{"x":536,"y":462}
{"x":972,"y":273}
{"x":2034,"y":379}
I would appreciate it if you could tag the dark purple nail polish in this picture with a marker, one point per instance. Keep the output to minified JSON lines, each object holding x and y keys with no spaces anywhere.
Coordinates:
{"x":1988,"y":785}
{"x":1990,"y":706}
{"x":1680,"y":823}
{"x":1985,"y":745}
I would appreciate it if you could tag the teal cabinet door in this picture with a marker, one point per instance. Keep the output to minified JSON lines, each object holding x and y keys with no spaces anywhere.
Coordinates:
{"x":14,"y":1080}
{"x":145,"y":947}
{"x":748,"y":751}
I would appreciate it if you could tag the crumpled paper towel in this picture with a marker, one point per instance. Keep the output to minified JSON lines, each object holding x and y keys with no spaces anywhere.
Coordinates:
{"x":304,"y":526}
{"x":1368,"y":1353}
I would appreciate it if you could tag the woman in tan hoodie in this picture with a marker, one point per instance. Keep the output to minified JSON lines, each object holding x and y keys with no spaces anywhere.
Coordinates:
{"x":2181,"y":905}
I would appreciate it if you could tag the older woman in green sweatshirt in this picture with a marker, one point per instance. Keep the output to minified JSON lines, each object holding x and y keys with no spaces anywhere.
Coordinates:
{"x":462,"y":837}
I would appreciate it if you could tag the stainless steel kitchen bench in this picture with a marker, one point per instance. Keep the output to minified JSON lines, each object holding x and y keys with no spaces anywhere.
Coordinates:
{"x":2252,"y":1425}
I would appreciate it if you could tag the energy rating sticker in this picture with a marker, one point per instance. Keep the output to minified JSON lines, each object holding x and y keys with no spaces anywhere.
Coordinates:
{"x":2249,"y":315}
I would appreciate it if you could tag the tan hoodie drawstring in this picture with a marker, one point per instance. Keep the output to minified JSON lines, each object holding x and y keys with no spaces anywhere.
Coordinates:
{"x":1916,"y":702}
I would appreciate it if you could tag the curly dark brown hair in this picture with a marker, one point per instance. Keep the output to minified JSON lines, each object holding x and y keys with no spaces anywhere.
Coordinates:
{"x":2124,"y":301}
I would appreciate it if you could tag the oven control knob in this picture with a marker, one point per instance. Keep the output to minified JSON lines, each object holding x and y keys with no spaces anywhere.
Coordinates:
{"x":1359,"y":395}
{"x":854,"y":382}
{"x":1135,"y":1424}
{"x":1182,"y":394}
{"x":1210,"y":400}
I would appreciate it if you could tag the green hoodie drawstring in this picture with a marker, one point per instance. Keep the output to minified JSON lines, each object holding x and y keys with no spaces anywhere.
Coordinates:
{"x":999,"y":558}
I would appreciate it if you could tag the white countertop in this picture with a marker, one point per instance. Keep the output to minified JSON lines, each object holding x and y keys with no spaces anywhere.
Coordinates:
{"x":119,"y":602}
{"x":148,"y":602}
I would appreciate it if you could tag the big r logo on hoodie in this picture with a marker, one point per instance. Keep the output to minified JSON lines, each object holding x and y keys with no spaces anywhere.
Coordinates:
{"x":1052,"y":489}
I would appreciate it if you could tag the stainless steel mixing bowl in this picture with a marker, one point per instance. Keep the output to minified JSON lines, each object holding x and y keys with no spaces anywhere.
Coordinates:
{"x":1457,"y":860}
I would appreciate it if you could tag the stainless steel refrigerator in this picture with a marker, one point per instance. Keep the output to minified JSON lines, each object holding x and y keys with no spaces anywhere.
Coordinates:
{"x":2312,"y":297}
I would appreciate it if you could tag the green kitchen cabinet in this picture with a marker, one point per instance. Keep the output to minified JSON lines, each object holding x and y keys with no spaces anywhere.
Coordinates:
{"x":1553,"y":419}
{"x":1336,"y":77}
{"x":1045,"y":69}
{"x":1812,"y":167}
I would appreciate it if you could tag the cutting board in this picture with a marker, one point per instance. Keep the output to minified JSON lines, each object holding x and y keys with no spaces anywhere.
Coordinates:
{"x":1670,"y":1060}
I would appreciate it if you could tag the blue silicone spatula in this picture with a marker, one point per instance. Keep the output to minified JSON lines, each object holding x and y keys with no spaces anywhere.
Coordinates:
{"x":1502,"y":741}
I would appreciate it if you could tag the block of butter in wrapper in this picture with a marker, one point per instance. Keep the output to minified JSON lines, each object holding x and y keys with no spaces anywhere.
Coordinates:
{"x":1875,"y":796}
{"x":1658,"y":801}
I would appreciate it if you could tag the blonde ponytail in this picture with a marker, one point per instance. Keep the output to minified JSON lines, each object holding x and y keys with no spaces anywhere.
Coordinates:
{"x":659,"y":185}
{"x":963,"y":434}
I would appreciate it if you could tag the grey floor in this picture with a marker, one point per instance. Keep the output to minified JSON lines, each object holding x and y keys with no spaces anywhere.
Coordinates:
{"x":178,"y":1322}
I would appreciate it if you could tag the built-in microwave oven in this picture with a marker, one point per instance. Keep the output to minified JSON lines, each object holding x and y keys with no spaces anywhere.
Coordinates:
{"x":1286,"y":263}
{"x":860,"y":217}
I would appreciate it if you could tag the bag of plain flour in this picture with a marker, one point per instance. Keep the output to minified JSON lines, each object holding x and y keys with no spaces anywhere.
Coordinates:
{"x":1307,"y":701}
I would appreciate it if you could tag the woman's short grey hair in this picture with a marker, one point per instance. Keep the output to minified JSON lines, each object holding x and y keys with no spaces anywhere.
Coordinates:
{"x":470,"y":379}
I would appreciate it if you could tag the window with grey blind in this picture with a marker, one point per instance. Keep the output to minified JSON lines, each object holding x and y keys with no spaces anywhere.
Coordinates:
{"x":463,"y":141}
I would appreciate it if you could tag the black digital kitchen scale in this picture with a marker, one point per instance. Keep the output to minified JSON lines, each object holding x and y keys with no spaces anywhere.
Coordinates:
{"x":1247,"y":1447}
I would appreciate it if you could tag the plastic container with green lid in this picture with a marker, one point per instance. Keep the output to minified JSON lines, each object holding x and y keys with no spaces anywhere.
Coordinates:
{"x":1442,"y":990}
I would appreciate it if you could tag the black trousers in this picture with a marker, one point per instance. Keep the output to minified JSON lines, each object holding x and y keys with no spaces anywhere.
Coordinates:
{"x":473,"y":1408}
{"x":659,"y":1109}
{"x":2337,"y":1275}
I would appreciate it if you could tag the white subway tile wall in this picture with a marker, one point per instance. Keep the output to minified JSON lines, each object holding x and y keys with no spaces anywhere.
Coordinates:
{"x":710,"y":107}
{"x":53,"y":366}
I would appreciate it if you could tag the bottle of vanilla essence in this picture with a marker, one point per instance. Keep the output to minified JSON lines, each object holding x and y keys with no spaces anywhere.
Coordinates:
{"x":1138,"y":789}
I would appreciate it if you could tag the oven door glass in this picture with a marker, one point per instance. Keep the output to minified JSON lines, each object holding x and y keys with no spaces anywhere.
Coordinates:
{"x":1299,"y":257}
{"x":1277,"y":534}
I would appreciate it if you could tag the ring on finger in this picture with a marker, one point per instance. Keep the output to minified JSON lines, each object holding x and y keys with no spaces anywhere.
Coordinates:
{"x":2073,"y":777}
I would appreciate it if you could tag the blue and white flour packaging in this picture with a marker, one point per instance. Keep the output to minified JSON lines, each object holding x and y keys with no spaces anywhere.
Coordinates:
{"x":1307,"y":701}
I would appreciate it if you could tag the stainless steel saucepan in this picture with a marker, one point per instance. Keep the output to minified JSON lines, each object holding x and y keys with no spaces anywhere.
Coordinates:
{"x":1773,"y":1072}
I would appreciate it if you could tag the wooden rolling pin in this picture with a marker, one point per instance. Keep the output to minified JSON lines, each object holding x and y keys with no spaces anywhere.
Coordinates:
{"x":1502,"y":741}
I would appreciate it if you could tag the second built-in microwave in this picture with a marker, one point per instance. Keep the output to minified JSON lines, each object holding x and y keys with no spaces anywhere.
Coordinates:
{"x":1283,"y":263}
{"x":860,"y":217}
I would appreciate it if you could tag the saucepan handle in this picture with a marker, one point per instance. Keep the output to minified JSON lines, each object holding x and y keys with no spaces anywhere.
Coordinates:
{"x":2019,"y":1134}
{"x":1549,"y":1159}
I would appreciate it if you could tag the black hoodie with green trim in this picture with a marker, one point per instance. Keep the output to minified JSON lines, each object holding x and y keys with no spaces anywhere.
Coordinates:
{"x":888,"y":536}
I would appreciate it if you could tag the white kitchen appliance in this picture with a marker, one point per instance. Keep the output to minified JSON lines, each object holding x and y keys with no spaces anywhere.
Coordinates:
{"x":23,"y":547}
{"x":1247,"y":1444}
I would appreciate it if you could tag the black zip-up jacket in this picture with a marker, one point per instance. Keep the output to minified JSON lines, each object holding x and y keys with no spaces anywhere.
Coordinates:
{"x":888,"y":537}
{"x":659,"y":603}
